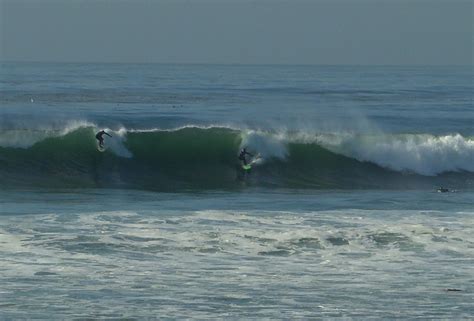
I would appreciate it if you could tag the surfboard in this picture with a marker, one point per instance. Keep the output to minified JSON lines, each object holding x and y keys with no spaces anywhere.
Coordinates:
{"x":247,"y":167}
{"x":101,"y":149}
{"x":253,"y":161}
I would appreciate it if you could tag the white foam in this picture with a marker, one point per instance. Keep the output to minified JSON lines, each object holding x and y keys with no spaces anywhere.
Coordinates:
{"x":267,"y":145}
{"x":116,"y":142}
{"x":423,"y":154}
{"x":295,"y":254}
{"x":188,"y":126}
{"x":25,"y":138}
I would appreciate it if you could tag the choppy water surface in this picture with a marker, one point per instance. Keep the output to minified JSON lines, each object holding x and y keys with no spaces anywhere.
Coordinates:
{"x":236,"y":255}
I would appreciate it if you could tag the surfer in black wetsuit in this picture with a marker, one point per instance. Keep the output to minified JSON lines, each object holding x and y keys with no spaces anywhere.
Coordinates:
{"x":99,"y":137}
{"x":242,"y":154}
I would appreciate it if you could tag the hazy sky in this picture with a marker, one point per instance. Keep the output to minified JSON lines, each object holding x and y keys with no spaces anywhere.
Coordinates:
{"x":230,"y":31}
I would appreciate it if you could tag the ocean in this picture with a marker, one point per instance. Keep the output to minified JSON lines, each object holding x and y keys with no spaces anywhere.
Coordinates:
{"x":361,"y":205}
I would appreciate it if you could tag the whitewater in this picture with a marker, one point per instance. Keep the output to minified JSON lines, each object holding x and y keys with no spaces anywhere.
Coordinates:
{"x":360,"y":207}
{"x":208,"y":155}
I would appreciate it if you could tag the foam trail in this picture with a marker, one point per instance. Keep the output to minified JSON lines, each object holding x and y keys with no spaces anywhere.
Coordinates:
{"x":265,"y":144}
{"x":116,"y":143}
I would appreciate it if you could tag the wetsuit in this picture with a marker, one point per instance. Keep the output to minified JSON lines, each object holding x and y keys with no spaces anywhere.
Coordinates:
{"x":99,"y":137}
{"x":242,"y":154}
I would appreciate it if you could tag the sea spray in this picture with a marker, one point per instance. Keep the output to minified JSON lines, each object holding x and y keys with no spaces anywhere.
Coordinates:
{"x":195,"y":157}
{"x":423,"y":154}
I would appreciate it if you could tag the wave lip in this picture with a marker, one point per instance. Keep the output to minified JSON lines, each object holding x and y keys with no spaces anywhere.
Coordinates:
{"x":25,"y":137}
{"x":422,"y":154}
{"x":206,"y":157}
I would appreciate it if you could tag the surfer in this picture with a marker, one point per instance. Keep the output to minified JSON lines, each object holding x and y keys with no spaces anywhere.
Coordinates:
{"x":99,"y":137}
{"x":242,"y":154}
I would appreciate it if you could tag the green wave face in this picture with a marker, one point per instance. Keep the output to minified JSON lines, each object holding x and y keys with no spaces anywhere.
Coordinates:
{"x":196,"y":159}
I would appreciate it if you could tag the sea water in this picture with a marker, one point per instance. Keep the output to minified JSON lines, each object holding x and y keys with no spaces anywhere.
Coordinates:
{"x":340,"y":219}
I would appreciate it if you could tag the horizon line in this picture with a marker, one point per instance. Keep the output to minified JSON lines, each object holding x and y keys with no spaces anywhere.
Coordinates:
{"x":229,"y":63}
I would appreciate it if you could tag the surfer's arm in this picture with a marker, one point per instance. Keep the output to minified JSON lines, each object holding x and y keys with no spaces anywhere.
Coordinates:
{"x":108,"y":135}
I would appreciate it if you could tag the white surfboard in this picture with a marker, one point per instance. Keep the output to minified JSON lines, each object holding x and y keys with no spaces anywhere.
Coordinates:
{"x":101,"y":149}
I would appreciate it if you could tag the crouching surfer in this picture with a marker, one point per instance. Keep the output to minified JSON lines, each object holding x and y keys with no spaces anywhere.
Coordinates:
{"x":242,"y":154}
{"x":100,"y":138}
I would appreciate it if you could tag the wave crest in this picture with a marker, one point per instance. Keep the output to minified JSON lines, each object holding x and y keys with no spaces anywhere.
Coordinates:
{"x":206,"y":157}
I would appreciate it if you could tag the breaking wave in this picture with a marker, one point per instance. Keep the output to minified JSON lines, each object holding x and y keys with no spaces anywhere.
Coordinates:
{"x":194,"y":157}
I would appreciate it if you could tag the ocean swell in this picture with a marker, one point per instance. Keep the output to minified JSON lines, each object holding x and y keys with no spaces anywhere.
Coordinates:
{"x":193,"y":157}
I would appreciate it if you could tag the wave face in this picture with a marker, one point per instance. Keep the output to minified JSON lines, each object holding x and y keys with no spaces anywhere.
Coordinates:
{"x":194,"y":158}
